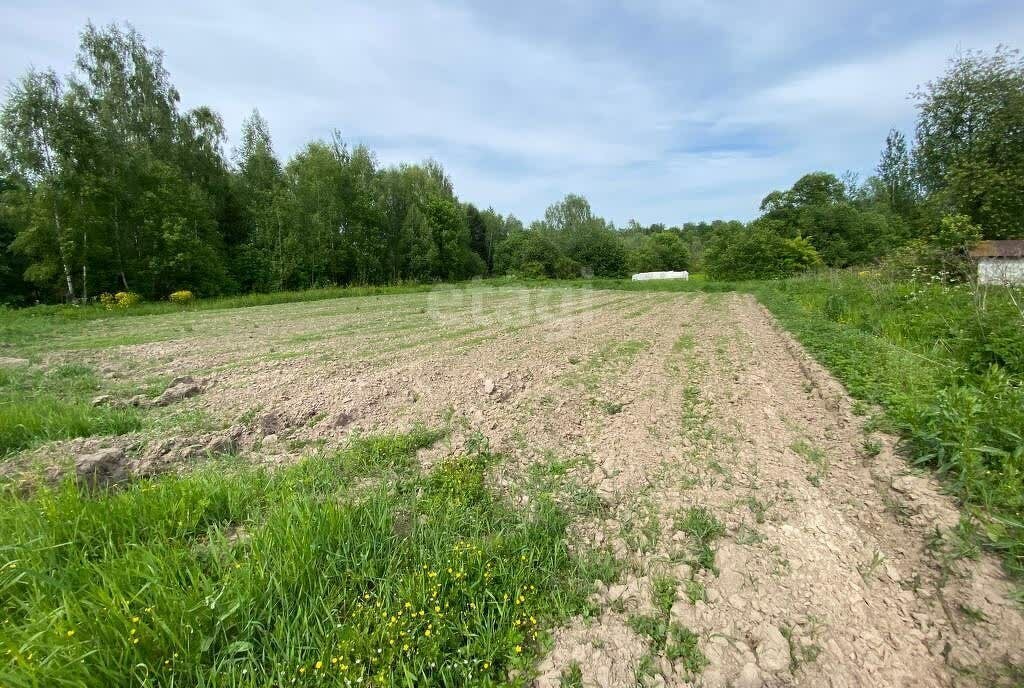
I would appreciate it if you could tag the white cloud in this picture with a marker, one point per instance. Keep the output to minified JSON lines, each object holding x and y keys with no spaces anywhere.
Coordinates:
{"x":727,"y":102}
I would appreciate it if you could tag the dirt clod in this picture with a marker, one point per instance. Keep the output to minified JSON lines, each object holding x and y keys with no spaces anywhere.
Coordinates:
{"x":102,"y":468}
{"x":181,"y":388}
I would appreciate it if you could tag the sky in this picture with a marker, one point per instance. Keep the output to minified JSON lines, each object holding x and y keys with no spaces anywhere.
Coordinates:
{"x":657,"y":111}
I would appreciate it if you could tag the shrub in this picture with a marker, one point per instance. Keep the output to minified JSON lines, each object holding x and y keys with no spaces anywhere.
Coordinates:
{"x":941,"y":257}
{"x":757,"y":253}
{"x":182,"y":297}
{"x":122,"y":300}
{"x":127,"y":299}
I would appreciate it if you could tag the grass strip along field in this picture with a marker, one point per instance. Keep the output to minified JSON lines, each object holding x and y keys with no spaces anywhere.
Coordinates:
{"x":239,"y":576}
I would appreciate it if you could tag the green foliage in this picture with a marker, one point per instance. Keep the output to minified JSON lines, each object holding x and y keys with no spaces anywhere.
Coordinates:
{"x":819,"y":207}
{"x":571,"y":240}
{"x":970,"y":146}
{"x":665,"y":592}
{"x":942,"y":256}
{"x":703,"y":528}
{"x":895,"y":175}
{"x":659,"y":251}
{"x":757,"y":252}
{"x":242,"y":576}
{"x":38,"y":406}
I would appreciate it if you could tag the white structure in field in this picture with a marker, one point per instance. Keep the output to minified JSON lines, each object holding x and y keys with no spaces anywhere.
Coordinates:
{"x":1000,"y":262}
{"x":668,"y":274}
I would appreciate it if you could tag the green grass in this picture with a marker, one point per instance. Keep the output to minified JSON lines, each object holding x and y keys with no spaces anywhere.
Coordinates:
{"x":703,"y":528}
{"x":816,"y":457}
{"x":572,"y":676}
{"x":38,"y":406}
{"x":678,"y":643}
{"x":665,"y":592}
{"x":238,"y":576}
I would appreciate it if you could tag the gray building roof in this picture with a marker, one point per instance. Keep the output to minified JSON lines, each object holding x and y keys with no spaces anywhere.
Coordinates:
{"x":1005,"y":248}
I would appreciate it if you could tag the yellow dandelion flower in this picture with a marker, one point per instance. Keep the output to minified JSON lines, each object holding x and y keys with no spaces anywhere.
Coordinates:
{"x":319,"y":665}
{"x":519,"y":649}
{"x":487,"y":665}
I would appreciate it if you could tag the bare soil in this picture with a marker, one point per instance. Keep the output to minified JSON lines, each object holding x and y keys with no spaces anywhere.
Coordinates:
{"x":838,"y":565}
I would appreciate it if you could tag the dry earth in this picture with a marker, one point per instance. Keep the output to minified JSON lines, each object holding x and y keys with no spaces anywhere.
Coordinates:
{"x":837,"y":566}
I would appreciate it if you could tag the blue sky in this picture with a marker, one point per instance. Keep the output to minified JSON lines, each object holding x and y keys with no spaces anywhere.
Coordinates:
{"x":660,"y":111}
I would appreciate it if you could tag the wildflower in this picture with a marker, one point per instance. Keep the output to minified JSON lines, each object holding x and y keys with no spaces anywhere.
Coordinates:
{"x":71,"y":632}
{"x":319,"y":665}
{"x":487,"y":665}
{"x":519,"y":649}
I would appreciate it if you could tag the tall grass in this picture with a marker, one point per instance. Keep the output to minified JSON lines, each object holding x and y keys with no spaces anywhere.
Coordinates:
{"x":37,"y":406}
{"x":318,"y":574}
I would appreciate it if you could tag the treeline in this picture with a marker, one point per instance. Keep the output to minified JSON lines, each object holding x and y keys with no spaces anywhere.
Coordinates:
{"x":107,"y":184}
{"x":961,"y":181}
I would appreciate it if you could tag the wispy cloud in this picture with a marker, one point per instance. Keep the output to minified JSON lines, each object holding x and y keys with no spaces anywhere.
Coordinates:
{"x":664,"y":111}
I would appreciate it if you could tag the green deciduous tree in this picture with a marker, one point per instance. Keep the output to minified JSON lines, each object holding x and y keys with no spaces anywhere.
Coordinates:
{"x":895,"y":174}
{"x":37,"y":127}
{"x":969,"y":151}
